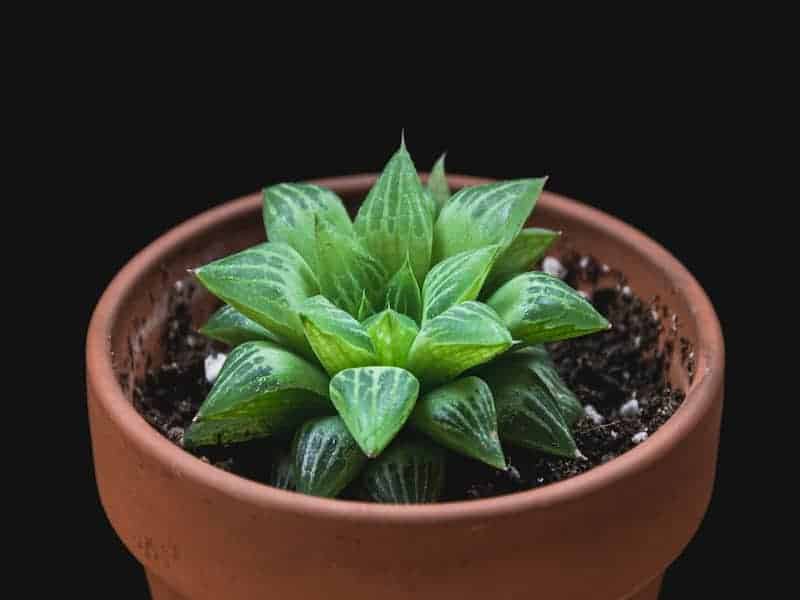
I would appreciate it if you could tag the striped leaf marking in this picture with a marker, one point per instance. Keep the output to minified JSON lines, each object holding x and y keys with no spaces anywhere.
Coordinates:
{"x":281,"y":471}
{"x":326,"y":457}
{"x":464,"y":336}
{"x":338,"y":340}
{"x":461,"y":417}
{"x":231,"y":327}
{"x":438,"y":187}
{"x":403,"y":293}
{"x":410,"y":471}
{"x":347,"y":272}
{"x":483,"y":215}
{"x":521,"y":256}
{"x":261,"y":390}
{"x":290,"y":209}
{"x":456,"y":279}
{"x":527,"y":415}
{"x":392,"y":335}
{"x":395,"y":220}
{"x":538,"y":360}
{"x":375,"y":403}
{"x":537,"y":308}
{"x":266,"y":283}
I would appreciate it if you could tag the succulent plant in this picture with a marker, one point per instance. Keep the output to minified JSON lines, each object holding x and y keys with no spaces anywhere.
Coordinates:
{"x":385,"y":343}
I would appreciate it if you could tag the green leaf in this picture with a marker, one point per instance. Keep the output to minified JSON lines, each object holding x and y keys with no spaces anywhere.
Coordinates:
{"x":523,"y":253}
{"x":338,"y":340}
{"x":375,"y":403}
{"x":461,"y":416}
{"x":392,"y":335}
{"x":347,"y":272}
{"x":230,"y":326}
{"x":527,"y":415}
{"x":266,"y":283}
{"x":455,"y":280}
{"x":365,"y":309}
{"x":262,"y":390}
{"x":462,"y":337}
{"x":537,"y":308}
{"x":395,"y":220}
{"x":326,"y":457}
{"x":402,"y":293}
{"x":430,"y":203}
{"x":281,"y":473}
{"x":437,"y":185}
{"x":409,"y":472}
{"x":483,"y":215}
{"x":538,"y":359}
{"x":290,"y":210}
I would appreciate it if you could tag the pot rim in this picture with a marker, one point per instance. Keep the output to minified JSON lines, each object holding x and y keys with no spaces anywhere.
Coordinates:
{"x":707,"y":384}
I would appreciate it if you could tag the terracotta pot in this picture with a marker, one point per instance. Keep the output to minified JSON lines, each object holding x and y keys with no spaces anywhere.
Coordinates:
{"x":201,"y":532}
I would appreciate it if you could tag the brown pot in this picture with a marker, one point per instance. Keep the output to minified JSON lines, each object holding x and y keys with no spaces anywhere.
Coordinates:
{"x":201,"y":532}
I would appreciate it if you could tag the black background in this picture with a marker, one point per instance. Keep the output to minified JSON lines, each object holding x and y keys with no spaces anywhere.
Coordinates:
{"x":646,"y":157}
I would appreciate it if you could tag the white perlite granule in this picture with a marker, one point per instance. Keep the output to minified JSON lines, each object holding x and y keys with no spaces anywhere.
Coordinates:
{"x":639,"y":437}
{"x":592,"y":414}
{"x":630,"y":410}
{"x":552,"y":266}
{"x":213,"y":365}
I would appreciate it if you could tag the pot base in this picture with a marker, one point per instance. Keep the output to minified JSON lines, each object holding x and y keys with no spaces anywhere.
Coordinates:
{"x":160,"y":591}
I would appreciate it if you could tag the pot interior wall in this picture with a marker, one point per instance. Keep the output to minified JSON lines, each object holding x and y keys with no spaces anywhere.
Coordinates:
{"x":137,"y":343}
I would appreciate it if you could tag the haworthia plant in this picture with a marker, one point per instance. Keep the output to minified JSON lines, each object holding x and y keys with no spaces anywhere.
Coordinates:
{"x":386,"y":344}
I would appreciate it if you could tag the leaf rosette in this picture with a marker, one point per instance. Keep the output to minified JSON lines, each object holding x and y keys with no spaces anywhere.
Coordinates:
{"x":381,"y":346}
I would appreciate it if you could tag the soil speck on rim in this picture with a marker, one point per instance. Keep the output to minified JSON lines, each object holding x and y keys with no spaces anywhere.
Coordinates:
{"x":620,"y":376}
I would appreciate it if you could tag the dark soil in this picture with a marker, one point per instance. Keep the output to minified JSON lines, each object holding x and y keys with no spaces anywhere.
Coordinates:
{"x":605,"y":371}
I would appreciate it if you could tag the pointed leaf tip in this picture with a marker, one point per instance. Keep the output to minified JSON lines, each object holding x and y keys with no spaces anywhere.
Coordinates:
{"x":480,"y":215}
{"x":261,"y":390}
{"x":337,"y":339}
{"x":326,"y":457}
{"x":464,"y":336}
{"x":266,"y":283}
{"x":527,"y":415}
{"x":537,"y":307}
{"x":396,"y":219}
{"x":392,"y":334}
{"x":461,"y":416}
{"x":456,"y":279}
{"x":231,"y":327}
{"x":375,"y":403}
